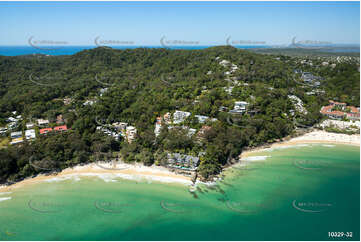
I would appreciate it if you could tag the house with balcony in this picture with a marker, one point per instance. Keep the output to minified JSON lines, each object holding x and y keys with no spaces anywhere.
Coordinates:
{"x":339,"y":110}
{"x":182,"y":161}
{"x":14,"y":135}
{"x":180,"y":116}
{"x":30,"y":134}
{"x":240,"y":107}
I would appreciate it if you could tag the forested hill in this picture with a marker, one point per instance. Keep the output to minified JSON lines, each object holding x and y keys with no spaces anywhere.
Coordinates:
{"x":143,"y":84}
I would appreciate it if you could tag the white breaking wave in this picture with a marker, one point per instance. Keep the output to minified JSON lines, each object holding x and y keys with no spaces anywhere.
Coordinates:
{"x":4,"y":198}
{"x":4,"y":193}
{"x":287,"y":147}
{"x":328,"y":145}
{"x":256,"y":158}
{"x":109,"y":177}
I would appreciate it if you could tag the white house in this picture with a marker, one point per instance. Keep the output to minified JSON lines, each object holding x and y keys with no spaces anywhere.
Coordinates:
{"x":14,"y":135}
{"x":239,"y":107}
{"x":201,"y":119}
{"x":180,"y":116}
{"x":3,"y":130}
{"x":30,"y":134}
{"x":43,"y":122}
{"x":131,"y":133}
{"x":29,"y":125}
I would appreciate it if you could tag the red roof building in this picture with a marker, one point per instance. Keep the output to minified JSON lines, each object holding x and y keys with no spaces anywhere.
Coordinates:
{"x":61,"y":128}
{"x":45,"y":131}
{"x":336,"y":114}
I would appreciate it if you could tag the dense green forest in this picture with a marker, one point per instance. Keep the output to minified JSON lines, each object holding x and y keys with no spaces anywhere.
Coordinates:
{"x":146,"y":83}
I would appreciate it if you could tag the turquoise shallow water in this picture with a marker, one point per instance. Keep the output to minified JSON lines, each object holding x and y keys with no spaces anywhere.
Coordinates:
{"x":295,"y":193}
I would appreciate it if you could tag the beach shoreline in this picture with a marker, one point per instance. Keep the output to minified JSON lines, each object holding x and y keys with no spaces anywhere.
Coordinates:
{"x":108,"y":172}
{"x":313,"y":137}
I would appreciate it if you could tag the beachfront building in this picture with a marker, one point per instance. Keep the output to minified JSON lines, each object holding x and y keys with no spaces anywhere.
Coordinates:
{"x":338,"y":110}
{"x":30,"y":134}
{"x":182,"y":161}
{"x":131,"y":133}
{"x":180,"y":116}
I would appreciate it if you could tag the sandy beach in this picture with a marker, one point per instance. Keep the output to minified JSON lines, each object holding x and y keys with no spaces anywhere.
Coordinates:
{"x":318,"y":136}
{"x":109,"y":173}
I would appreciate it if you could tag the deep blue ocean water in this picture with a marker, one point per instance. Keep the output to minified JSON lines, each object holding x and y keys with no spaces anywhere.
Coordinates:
{"x":69,"y":50}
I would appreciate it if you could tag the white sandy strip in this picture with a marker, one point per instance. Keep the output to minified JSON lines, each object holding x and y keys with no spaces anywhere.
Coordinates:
{"x":319,"y":137}
{"x":108,"y":173}
{"x":112,"y":177}
{"x":4,"y":193}
{"x":324,"y":136}
{"x":4,"y":198}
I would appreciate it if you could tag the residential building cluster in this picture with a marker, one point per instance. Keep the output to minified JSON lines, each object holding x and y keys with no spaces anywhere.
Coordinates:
{"x":30,"y":132}
{"x":338,"y":110}
{"x":240,"y":107}
{"x":182,"y":161}
{"x":179,"y":117}
{"x":119,"y":129}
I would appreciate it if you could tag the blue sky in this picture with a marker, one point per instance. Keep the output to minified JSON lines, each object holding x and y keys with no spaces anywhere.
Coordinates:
{"x":145,"y":23}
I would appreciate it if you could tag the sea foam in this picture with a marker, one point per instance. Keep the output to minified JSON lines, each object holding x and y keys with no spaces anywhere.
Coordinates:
{"x":4,"y":198}
{"x":256,"y":158}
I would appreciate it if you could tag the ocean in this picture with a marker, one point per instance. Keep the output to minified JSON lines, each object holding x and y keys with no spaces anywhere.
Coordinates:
{"x":69,"y":50}
{"x":300,"y":192}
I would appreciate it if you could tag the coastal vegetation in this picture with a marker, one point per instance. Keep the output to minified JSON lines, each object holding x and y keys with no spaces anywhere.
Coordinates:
{"x":143,"y":84}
